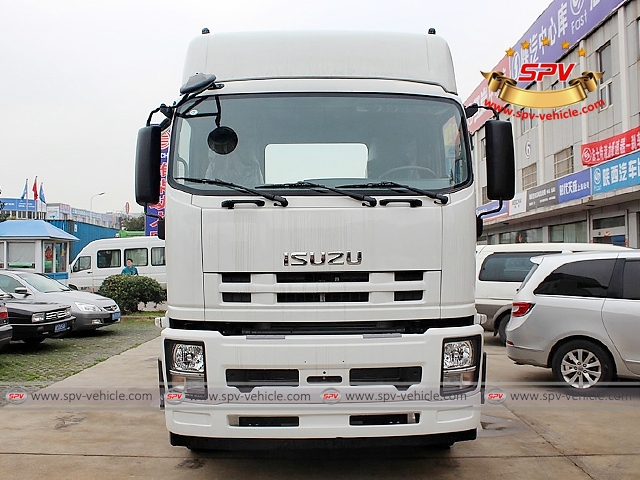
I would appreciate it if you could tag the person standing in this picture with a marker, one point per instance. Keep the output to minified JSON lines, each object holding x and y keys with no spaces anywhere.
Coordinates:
{"x":130,"y":269}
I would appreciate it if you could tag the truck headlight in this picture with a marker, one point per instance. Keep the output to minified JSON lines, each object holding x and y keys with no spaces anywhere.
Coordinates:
{"x":460,"y":365}
{"x":186,"y":367}
{"x":37,"y":317}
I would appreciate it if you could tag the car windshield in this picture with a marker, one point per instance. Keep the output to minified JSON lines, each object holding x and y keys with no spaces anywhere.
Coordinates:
{"x":43,"y":284}
{"x":269,"y":140}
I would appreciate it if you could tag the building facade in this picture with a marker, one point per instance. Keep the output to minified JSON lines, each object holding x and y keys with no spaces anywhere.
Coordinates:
{"x":577,"y":166}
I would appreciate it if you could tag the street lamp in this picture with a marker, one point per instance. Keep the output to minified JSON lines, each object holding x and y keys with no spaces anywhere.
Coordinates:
{"x":91,"y":204}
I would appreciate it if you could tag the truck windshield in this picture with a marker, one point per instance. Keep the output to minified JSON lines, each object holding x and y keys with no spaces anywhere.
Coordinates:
{"x":333,"y":139}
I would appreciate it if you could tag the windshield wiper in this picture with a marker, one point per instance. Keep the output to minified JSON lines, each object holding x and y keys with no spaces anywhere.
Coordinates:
{"x":303,"y":184}
{"x":436,"y":196}
{"x":283,"y":202}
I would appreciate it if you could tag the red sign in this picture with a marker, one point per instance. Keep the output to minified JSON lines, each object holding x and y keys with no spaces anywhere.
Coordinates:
{"x":530,"y":72}
{"x":603,"y":150}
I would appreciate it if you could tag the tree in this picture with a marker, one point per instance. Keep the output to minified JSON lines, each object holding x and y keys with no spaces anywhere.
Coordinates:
{"x":133,"y":223}
{"x":3,"y":215}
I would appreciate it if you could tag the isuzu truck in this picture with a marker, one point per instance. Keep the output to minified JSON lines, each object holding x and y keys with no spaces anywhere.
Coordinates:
{"x":320,"y":227}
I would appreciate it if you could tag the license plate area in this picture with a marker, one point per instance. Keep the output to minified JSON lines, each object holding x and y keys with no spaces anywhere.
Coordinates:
{"x":61,"y":327}
{"x":115,"y":316}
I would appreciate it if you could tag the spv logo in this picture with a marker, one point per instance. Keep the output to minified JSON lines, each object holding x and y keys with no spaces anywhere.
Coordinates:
{"x":16,"y":396}
{"x":496,"y":396}
{"x":530,"y":72}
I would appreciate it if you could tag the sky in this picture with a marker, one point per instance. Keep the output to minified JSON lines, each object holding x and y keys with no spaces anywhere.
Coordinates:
{"x":79,"y":78}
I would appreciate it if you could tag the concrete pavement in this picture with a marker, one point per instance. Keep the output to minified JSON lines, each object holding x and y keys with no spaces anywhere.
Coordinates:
{"x":566,"y":438}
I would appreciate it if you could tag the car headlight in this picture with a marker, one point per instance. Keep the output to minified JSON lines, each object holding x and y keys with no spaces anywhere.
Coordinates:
{"x":186,"y":368}
{"x":87,"y":307}
{"x":67,"y":312}
{"x":37,"y":317}
{"x":460,"y":364}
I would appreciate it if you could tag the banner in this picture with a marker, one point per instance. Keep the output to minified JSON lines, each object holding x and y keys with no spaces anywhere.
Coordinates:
{"x":594,"y":153}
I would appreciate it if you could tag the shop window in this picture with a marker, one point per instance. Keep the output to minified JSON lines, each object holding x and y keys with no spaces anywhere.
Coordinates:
{"x":609,"y":222}
{"x":48,"y":257}
{"x":569,"y":233}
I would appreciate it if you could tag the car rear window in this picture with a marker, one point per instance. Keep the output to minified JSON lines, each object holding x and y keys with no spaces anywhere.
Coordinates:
{"x":507,"y":267}
{"x":587,"y":278}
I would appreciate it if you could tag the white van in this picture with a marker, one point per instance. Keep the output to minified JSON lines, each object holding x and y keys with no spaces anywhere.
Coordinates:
{"x":105,"y":257}
{"x":500,"y":269}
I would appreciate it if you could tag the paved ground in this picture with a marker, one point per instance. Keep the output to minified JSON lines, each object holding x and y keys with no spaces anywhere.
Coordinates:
{"x":36,"y":366}
{"x":520,"y":439}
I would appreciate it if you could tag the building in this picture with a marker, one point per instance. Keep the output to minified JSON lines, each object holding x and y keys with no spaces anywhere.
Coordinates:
{"x":577,"y":166}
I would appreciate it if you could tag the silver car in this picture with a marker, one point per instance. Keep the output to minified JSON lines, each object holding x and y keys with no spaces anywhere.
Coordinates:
{"x":579,"y":314}
{"x":91,"y":310}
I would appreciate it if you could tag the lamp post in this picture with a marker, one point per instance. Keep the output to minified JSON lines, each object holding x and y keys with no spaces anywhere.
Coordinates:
{"x":91,"y":204}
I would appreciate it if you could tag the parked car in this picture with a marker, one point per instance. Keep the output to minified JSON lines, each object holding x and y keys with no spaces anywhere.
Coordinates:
{"x":6,"y":329}
{"x":579,"y":314}
{"x":90,"y":309}
{"x":500,"y":269}
{"x":32,"y":321}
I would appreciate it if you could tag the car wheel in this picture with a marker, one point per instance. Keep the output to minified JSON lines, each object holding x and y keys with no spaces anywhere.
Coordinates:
{"x":33,"y":340}
{"x":582,"y":364}
{"x":502,"y":328}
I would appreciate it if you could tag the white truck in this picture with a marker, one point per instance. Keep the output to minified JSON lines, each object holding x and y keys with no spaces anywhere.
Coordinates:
{"x":320,"y":234}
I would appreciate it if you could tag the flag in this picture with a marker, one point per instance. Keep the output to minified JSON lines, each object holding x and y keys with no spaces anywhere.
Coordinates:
{"x":41,"y":194}
{"x":24,"y":192}
{"x":35,"y":188}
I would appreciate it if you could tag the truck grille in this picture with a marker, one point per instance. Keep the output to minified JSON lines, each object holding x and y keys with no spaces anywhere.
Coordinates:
{"x":323,"y":287}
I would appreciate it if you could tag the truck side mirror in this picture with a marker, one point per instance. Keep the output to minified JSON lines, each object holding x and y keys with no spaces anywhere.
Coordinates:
{"x":501,"y":169}
{"x":148,"y":153}
{"x":501,"y":166}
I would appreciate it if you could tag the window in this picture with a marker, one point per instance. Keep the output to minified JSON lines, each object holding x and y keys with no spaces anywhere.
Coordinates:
{"x":605,"y":65}
{"x":529,"y":176}
{"x":83,"y":263}
{"x":140,"y":256}
{"x":21,"y":254}
{"x":9,"y":284}
{"x":569,"y":232}
{"x":2,"y":245}
{"x":157,"y":256}
{"x":631,"y":281}
{"x":507,"y":267}
{"x":563,"y":162}
{"x":109,"y":258}
{"x":588,"y":278}
{"x":609,"y":222}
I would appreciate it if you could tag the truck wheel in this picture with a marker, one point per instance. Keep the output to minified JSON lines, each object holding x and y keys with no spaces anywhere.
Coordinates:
{"x":502,"y":328}
{"x":582,"y":364}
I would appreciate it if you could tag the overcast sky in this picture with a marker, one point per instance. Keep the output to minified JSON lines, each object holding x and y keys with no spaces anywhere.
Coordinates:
{"x":78,"y":78}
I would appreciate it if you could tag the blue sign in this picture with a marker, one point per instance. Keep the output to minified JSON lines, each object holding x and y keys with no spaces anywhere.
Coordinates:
{"x":18,"y":205}
{"x":574,"y":186}
{"x":492,"y":206}
{"x":562,"y":21}
{"x":615,"y":174}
